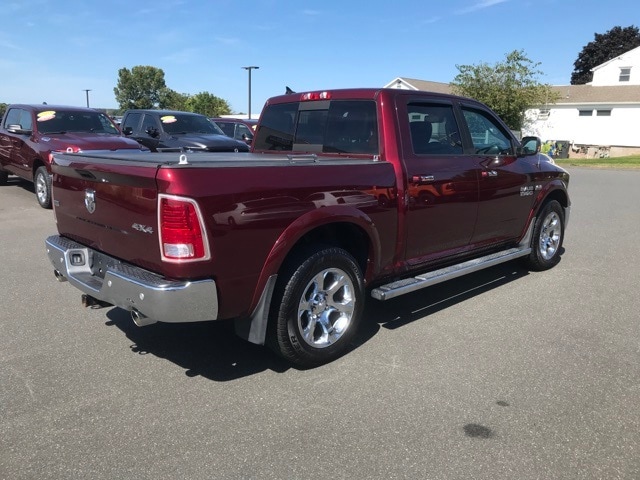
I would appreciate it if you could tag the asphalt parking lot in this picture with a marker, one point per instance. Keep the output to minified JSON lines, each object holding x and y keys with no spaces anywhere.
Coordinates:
{"x":505,"y":374}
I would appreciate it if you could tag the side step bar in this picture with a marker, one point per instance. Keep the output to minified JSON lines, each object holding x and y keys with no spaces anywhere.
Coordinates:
{"x":407,"y":285}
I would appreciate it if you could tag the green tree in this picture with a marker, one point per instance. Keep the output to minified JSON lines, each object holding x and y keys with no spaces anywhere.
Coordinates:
{"x":140,"y":87}
{"x":208,"y":104}
{"x":509,"y":88}
{"x":3,"y":108}
{"x":605,"y":47}
{"x":172,"y":100}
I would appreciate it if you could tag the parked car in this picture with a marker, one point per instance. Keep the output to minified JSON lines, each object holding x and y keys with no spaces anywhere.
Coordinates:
{"x":30,"y":133}
{"x":238,"y":128}
{"x":170,"y":130}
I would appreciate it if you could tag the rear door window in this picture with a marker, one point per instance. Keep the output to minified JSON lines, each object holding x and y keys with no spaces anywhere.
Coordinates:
{"x":434,"y":130}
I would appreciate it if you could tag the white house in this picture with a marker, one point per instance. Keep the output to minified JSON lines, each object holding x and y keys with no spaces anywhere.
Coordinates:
{"x":601,"y":116}
{"x":622,"y":70}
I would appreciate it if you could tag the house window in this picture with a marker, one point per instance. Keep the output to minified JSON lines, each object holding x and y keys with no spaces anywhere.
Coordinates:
{"x":543,"y":114}
{"x":585,"y":113}
{"x":625,"y":74}
{"x":603,"y":113}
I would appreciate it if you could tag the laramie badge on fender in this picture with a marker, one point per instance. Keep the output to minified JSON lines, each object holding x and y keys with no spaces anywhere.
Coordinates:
{"x":90,"y":200}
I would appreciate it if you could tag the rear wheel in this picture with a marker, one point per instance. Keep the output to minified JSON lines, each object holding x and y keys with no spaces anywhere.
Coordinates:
{"x":320,"y":308}
{"x":42,"y":184}
{"x":4,"y":176}
{"x":548,"y":235}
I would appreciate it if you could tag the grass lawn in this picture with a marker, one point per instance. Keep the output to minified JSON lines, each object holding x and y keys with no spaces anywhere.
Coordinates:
{"x":632,"y":161}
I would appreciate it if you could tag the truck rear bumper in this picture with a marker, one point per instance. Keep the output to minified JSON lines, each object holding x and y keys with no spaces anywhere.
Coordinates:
{"x":148,"y":296}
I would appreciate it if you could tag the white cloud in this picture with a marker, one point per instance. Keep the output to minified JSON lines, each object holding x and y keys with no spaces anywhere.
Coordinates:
{"x":479,"y":5}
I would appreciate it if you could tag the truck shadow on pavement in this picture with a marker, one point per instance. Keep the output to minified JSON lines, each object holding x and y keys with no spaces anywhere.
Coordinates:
{"x":13,"y":181}
{"x":212,"y":350}
{"x":208,"y":349}
{"x":400,"y":311}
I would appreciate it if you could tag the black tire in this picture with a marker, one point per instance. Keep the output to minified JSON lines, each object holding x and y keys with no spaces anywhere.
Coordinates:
{"x":4,"y":176}
{"x":317,"y":307}
{"x":42,"y":186}
{"x":548,"y":235}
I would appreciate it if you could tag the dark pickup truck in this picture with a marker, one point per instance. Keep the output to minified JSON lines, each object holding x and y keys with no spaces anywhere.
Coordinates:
{"x":173,"y":131}
{"x":30,"y":133}
{"x":346,"y":193}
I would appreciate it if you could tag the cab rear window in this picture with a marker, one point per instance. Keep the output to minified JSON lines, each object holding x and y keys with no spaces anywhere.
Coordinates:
{"x":326,"y":126}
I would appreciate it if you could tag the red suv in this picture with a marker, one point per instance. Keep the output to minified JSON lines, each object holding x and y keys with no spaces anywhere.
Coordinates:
{"x":30,"y":133}
{"x":238,"y":128}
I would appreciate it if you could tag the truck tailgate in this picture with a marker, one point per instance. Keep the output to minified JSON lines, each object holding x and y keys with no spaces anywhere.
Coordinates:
{"x":109,"y":203}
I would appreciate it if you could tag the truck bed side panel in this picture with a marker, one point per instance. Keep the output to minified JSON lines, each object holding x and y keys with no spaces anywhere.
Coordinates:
{"x":247,"y":204}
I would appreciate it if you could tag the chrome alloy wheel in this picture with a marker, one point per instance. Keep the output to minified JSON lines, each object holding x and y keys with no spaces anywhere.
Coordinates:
{"x":326,"y":308}
{"x":550,"y":236}
{"x":41,"y":188}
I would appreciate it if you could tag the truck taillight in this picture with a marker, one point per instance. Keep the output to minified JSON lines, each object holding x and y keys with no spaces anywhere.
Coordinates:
{"x":182,"y":234}
{"x":315,"y":96}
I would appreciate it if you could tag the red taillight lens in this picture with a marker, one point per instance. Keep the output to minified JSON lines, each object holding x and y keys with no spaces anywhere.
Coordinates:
{"x":182,"y":235}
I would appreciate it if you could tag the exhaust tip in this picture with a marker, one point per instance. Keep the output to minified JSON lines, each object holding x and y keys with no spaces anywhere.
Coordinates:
{"x":61,"y":278}
{"x":140,"y":319}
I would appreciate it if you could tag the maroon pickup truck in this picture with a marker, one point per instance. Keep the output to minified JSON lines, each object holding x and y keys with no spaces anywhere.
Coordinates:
{"x":346,"y":194}
{"x":30,"y":133}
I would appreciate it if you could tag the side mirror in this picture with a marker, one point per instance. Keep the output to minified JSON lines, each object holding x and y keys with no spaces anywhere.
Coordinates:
{"x":152,"y":132}
{"x":127,"y":130}
{"x":530,"y":145}
{"x":19,"y":130}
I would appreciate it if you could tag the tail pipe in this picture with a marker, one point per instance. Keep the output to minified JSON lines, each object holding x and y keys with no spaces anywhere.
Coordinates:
{"x":61,"y":278}
{"x":140,"y":319}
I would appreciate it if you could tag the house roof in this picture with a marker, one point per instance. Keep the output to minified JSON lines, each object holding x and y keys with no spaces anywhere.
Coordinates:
{"x":574,"y":94}
{"x":569,"y":94}
{"x":422,"y":85}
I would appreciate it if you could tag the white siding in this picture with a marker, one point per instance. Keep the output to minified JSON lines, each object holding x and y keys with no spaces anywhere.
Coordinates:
{"x":609,"y":72}
{"x":565,"y":123}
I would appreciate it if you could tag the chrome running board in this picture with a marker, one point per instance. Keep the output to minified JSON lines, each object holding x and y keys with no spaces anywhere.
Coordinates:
{"x":408,"y":285}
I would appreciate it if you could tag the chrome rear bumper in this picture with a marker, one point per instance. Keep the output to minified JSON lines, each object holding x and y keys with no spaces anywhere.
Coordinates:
{"x":132,"y":288}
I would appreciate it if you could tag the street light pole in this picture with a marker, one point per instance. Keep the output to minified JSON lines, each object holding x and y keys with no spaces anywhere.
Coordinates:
{"x":86,"y":91}
{"x":248,"y":69}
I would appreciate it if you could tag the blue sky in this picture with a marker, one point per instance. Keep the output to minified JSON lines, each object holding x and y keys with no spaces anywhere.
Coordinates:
{"x":51,"y":50}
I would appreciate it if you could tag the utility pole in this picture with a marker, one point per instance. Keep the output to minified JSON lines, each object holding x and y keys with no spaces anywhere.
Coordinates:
{"x":86,"y":91}
{"x":248,"y":69}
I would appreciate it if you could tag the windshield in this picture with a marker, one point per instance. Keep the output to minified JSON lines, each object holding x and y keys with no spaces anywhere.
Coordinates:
{"x":51,"y":121}
{"x":176,"y":123}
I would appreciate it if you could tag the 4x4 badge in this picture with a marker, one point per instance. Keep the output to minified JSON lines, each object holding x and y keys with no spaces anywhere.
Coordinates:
{"x":90,"y":200}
